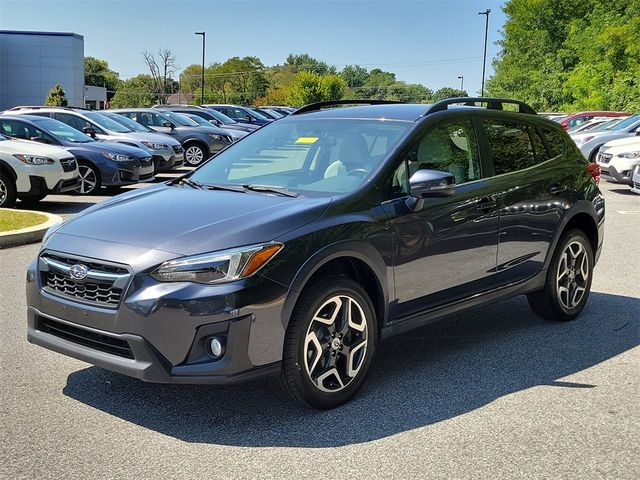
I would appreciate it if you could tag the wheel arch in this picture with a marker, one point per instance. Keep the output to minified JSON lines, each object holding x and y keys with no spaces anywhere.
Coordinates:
{"x":201,"y":143}
{"x":8,"y":169}
{"x":359,"y":261}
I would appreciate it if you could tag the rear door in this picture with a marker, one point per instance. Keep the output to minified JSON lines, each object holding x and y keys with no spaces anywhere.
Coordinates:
{"x":532,"y":182}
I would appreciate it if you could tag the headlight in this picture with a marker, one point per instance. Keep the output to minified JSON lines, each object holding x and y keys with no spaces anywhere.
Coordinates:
{"x":117,"y":157}
{"x":217,"y":267}
{"x":219,"y":138}
{"x":586,"y":139}
{"x":34,"y":159}
{"x":630,"y":155}
{"x":154,"y":146}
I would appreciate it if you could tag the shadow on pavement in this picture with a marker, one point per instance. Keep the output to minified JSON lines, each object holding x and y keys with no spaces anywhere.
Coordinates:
{"x":421,"y":378}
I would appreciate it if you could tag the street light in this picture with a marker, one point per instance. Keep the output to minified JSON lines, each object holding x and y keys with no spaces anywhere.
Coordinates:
{"x":461,"y":78}
{"x":486,"y":31}
{"x":202,"y":77}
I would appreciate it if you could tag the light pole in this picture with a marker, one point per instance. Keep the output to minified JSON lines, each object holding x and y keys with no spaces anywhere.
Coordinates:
{"x":486,"y":31}
{"x":202,"y":76}
{"x":461,"y":78}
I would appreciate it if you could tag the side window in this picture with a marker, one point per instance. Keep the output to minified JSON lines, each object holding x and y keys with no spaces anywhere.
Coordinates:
{"x":236,"y":113}
{"x":538,"y":146}
{"x":73,"y":121}
{"x":12,"y":128}
{"x":555,"y":142}
{"x":510,"y":145}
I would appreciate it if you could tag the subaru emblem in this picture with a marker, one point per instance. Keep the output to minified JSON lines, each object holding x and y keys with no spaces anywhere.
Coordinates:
{"x":78,"y":272}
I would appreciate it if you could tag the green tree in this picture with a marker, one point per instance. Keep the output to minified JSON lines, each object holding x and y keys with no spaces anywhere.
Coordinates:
{"x":138,"y":91}
{"x":448,"y":92}
{"x":304,"y":62}
{"x":56,"y":97}
{"x":310,"y":87}
{"x":355,"y":75}
{"x":98,"y":74}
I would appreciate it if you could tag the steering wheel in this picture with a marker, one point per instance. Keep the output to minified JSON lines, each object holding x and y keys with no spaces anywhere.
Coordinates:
{"x":361,"y":171}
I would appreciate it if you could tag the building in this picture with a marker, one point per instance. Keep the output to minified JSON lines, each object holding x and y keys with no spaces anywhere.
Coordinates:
{"x":95,"y":98}
{"x":33,"y":62}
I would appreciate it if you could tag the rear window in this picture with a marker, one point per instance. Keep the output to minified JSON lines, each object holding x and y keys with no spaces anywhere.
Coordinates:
{"x":510,"y":143}
{"x":555,"y":142}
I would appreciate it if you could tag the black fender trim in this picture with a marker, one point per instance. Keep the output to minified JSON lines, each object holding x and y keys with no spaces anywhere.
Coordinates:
{"x":12,"y":173}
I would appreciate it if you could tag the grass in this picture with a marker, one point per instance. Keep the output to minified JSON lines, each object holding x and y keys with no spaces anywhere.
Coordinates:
{"x":12,"y":220}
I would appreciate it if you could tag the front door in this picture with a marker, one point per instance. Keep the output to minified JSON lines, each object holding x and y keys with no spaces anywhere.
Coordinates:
{"x":446,"y":250}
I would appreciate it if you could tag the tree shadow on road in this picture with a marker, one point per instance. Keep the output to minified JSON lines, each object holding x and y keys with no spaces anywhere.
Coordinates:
{"x":433,"y":374}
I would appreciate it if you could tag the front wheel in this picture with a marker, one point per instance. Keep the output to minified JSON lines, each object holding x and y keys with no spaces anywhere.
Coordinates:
{"x":89,"y":179}
{"x":568,"y":281}
{"x":329,"y":344}
{"x":194,"y":154}
{"x":7,"y":191}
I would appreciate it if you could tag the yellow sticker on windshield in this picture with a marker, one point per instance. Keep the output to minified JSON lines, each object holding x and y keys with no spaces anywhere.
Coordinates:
{"x":307,"y":140}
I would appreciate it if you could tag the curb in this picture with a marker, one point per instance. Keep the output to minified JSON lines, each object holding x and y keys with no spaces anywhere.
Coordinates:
{"x":23,"y":236}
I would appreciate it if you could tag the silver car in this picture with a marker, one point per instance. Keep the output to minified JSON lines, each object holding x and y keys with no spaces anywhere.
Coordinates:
{"x":167,"y":153}
{"x":590,"y":142}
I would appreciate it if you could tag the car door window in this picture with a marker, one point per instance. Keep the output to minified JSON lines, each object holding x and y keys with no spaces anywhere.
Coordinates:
{"x":510,"y":144}
{"x":73,"y":121}
{"x":24,"y":131}
{"x":555,"y":142}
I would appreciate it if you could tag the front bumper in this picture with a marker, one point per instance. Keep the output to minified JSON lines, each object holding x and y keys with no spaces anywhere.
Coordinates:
{"x":39,"y":186}
{"x":168,"y":159}
{"x":127,"y":173}
{"x":162,"y":328}
{"x":611,"y":173}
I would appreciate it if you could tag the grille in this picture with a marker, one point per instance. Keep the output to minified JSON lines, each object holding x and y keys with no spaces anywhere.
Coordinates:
{"x":605,"y":157}
{"x":636,"y":185}
{"x":68,"y":164}
{"x":103,"y":284}
{"x":177,"y":148}
{"x":90,"y":292}
{"x":88,"y":338}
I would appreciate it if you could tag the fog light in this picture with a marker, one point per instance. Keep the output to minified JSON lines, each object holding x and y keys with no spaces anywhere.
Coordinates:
{"x":216,"y":347}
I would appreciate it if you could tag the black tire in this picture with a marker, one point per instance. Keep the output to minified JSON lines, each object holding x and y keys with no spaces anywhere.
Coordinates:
{"x":594,"y":154}
{"x":195,"y":154}
{"x":551,"y":303}
{"x":89,"y":174}
{"x":7,"y":191}
{"x":295,"y":381}
{"x":31,"y":200}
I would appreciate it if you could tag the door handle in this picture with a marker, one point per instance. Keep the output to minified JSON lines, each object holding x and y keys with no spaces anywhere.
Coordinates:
{"x":556,"y":188}
{"x":486,"y":203}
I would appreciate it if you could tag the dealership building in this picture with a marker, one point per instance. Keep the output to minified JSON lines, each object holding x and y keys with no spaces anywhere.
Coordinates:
{"x":31,"y":63}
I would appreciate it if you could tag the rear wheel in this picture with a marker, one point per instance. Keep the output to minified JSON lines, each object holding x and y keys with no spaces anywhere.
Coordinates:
{"x":568,"y":281}
{"x":194,"y":154}
{"x":329,"y":344}
{"x":89,"y":179}
{"x":7,"y":191}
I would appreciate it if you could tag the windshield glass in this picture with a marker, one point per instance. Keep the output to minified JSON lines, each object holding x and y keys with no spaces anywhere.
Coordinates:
{"x":127,"y":122}
{"x":198,"y":120}
{"x":322,"y":156}
{"x":62,"y":131}
{"x":106,"y":122}
{"x":625,"y":123}
{"x":257,"y":114}
{"x":608,"y":125}
{"x":220,"y":116}
{"x":180,"y":119}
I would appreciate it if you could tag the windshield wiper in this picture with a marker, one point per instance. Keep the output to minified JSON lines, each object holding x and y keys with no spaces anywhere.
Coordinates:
{"x":220,"y":186}
{"x":191,"y":183}
{"x":268,"y":189}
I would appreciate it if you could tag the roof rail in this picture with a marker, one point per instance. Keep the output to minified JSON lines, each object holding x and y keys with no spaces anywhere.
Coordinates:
{"x":39,"y":107}
{"x":315,"y":107}
{"x":492,"y":104}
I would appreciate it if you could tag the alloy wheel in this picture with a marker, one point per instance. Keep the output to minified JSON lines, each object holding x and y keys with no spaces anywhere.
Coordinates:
{"x":194,"y":155}
{"x":88,"y":180}
{"x":335,"y":345}
{"x":573,"y":275}
{"x":3,"y":192}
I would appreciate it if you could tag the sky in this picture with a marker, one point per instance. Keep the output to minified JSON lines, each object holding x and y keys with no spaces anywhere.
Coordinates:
{"x":431,"y":42}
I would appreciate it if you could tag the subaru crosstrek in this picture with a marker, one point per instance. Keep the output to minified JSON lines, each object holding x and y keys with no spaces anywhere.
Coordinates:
{"x":316,"y":237}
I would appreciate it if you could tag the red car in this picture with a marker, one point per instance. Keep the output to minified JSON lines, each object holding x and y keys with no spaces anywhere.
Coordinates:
{"x":580,"y":117}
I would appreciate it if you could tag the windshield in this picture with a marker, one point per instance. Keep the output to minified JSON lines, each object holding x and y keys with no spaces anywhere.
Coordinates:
{"x":62,"y":131}
{"x":180,"y":119}
{"x":106,"y":122}
{"x":257,"y":114}
{"x":313,"y":155}
{"x":198,"y":120}
{"x":220,"y":116}
{"x":608,"y":125}
{"x":625,"y":123}
{"x":127,"y":122}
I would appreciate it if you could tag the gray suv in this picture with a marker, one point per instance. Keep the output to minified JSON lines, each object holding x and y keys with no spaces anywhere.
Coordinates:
{"x":199,"y":142}
{"x":165,"y":151}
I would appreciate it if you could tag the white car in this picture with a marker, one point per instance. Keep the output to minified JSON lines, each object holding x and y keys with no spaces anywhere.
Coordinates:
{"x":590,"y":142}
{"x":30,"y":171}
{"x":635,"y":185}
{"x":618,"y":159}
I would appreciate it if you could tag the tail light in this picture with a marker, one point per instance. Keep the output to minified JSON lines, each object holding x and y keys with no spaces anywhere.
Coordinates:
{"x":594,"y":171}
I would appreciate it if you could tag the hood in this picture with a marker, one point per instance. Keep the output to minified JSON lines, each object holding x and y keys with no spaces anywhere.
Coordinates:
{"x":623,"y":144}
{"x":199,"y":130}
{"x":153,"y":137}
{"x":187,"y":221}
{"x":13,"y":146}
{"x":97,"y":147}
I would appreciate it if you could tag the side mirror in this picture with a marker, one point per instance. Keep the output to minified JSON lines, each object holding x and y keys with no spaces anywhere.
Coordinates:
{"x":214,"y":122}
{"x":638,"y":131}
{"x":429,"y":184}
{"x":168,"y":125}
{"x":38,"y":139}
{"x":89,"y":131}
{"x":248,"y":118}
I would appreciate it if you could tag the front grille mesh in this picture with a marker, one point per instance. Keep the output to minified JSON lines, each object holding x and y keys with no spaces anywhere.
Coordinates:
{"x":90,"y":292}
{"x":177,"y":148}
{"x":88,"y":338}
{"x":68,"y":164}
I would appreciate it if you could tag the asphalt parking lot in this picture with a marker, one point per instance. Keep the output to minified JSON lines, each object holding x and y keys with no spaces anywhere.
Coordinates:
{"x":492,"y":393}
